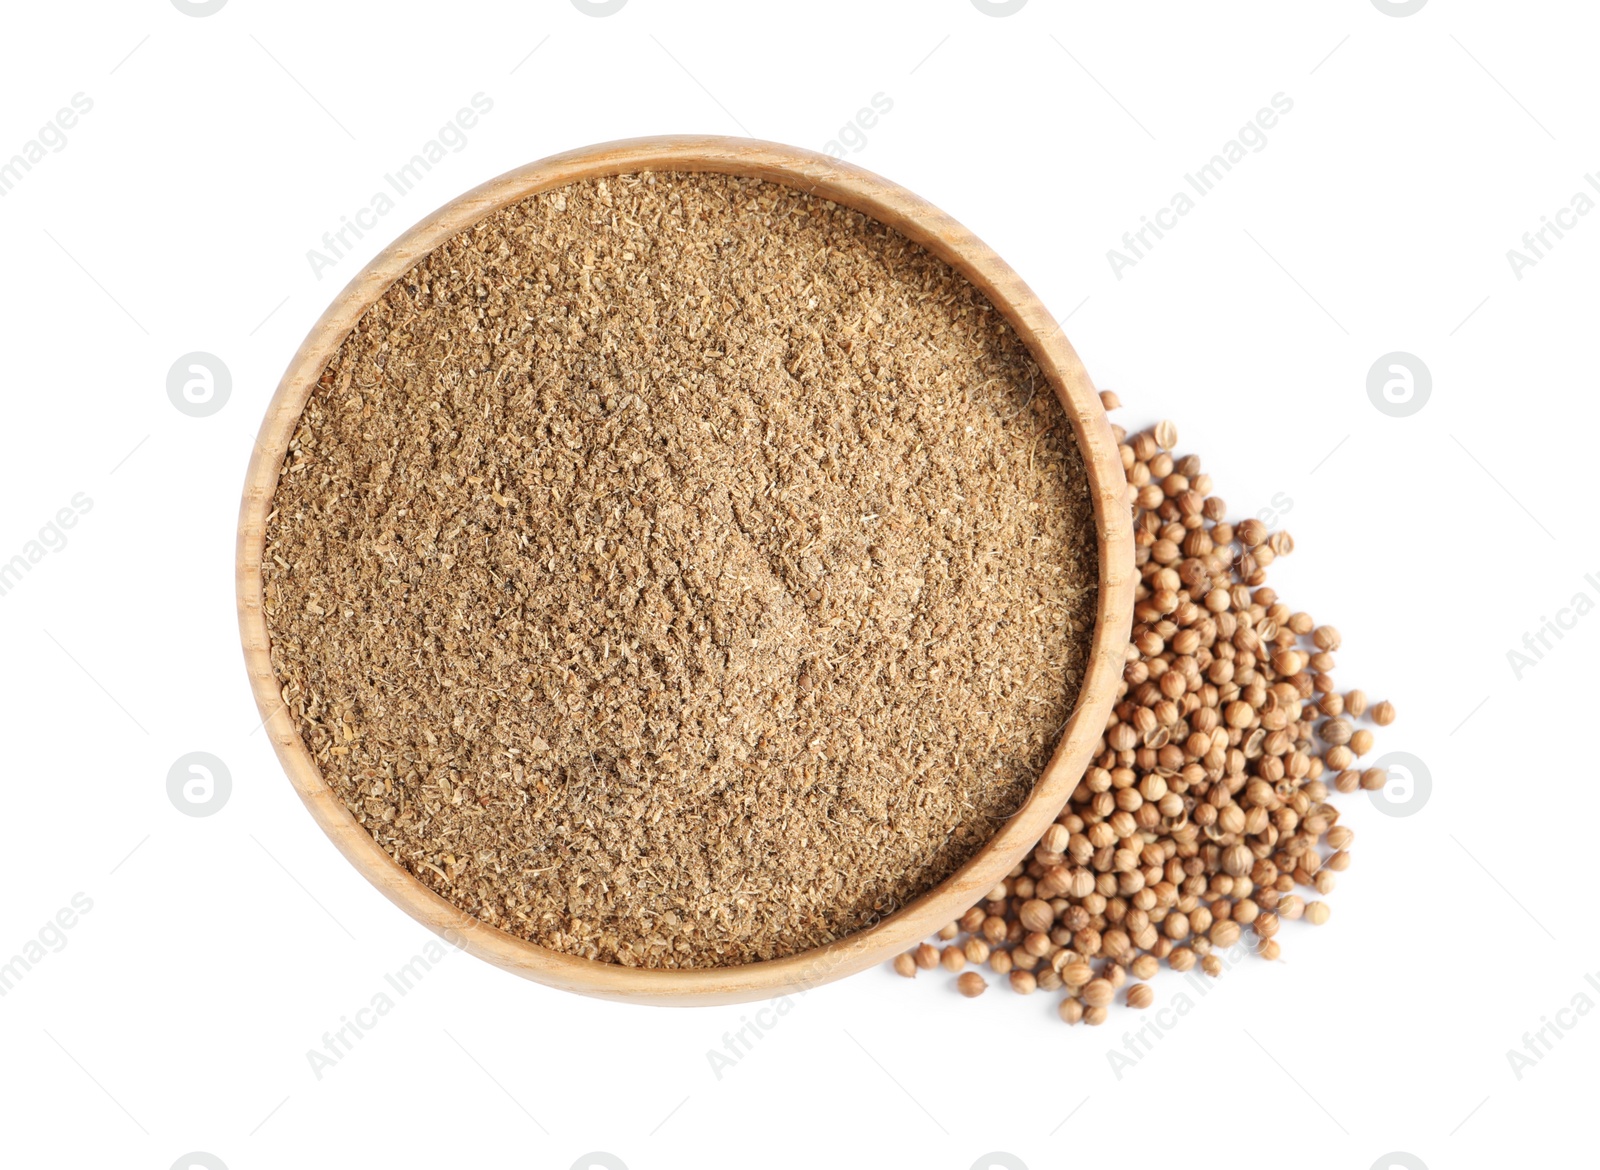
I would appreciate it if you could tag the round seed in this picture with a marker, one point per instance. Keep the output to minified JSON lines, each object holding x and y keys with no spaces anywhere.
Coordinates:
{"x":1099,"y":992}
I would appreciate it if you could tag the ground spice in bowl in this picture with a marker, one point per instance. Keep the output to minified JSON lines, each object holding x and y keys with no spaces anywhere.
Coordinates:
{"x":680,"y":571}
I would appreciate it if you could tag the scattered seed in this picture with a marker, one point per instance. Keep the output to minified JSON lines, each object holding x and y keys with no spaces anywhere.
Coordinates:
{"x":1099,"y":992}
{"x":1207,"y":805}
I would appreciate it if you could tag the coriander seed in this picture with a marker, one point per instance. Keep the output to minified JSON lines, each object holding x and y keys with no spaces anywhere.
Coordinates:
{"x":1206,"y":811}
{"x":1036,"y":915}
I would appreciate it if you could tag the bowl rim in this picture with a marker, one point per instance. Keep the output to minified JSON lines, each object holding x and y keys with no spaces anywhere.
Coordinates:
{"x":911,"y":216}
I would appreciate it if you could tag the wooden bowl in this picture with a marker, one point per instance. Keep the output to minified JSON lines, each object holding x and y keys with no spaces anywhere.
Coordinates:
{"x":912,"y":217}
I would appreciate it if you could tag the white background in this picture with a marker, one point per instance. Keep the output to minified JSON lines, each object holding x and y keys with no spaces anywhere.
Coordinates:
{"x":178,"y":1013}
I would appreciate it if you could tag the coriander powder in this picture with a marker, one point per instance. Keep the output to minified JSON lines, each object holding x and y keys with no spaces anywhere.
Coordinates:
{"x":680,"y":570}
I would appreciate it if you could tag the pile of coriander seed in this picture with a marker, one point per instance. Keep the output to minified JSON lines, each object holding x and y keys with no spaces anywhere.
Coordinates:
{"x":1205,"y":807}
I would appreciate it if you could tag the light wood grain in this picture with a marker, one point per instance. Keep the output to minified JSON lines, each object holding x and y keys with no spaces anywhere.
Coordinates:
{"x":912,"y":217}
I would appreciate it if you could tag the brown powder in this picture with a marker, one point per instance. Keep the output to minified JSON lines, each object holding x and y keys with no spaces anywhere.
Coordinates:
{"x":681,"y":571}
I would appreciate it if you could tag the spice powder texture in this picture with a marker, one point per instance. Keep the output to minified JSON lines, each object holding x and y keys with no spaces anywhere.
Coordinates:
{"x":681,"y":571}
